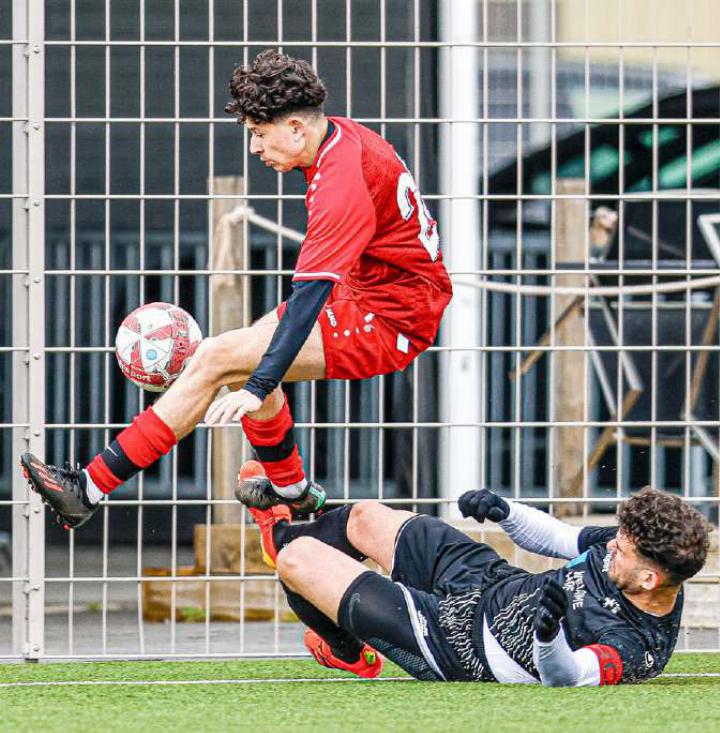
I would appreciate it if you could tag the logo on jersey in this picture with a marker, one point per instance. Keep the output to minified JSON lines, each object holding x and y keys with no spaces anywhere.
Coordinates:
{"x":606,"y":562}
{"x":575,"y":584}
{"x":611,"y":604}
{"x":331,"y":316}
{"x":402,"y":343}
{"x":649,"y":660}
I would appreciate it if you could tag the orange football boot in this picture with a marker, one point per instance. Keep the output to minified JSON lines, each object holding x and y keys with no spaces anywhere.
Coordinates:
{"x":368,"y":665}
{"x":266,"y":518}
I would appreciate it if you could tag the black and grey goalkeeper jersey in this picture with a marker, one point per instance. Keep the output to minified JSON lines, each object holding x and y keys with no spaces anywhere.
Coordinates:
{"x":598,"y":613}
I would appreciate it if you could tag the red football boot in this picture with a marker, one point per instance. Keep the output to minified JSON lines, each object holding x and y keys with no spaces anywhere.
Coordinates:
{"x":368,"y":665}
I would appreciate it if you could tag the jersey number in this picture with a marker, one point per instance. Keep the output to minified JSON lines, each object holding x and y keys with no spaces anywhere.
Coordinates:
{"x":428,"y":236}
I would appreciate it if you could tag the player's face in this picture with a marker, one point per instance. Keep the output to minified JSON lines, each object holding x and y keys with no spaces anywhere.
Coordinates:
{"x":629,"y":570}
{"x":280,"y":144}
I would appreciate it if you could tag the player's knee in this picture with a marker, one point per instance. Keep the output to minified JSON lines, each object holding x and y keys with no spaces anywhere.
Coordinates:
{"x":206,"y":359}
{"x":214,"y":359}
{"x":296,"y":558}
{"x":363,"y":516}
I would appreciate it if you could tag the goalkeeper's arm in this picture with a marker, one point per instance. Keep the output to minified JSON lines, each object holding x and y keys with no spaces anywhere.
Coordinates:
{"x":528,"y":528}
{"x":557,"y":664}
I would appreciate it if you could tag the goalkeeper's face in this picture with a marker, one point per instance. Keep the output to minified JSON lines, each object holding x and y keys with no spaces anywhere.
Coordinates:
{"x":281,"y":144}
{"x":631,"y":572}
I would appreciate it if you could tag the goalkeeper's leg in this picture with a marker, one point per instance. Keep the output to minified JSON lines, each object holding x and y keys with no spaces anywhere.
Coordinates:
{"x":324,"y":583}
{"x":367,"y":529}
{"x":331,"y":645}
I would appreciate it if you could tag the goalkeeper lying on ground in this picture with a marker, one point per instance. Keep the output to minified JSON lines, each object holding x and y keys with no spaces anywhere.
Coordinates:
{"x":454,"y":610}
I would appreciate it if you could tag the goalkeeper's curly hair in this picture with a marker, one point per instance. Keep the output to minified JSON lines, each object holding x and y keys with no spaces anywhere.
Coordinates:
{"x":273,"y":86}
{"x":666,"y":530}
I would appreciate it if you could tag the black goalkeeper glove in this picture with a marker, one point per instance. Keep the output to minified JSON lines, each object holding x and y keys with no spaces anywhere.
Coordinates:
{"x":483,"y":504}
{"x":552,"y":607}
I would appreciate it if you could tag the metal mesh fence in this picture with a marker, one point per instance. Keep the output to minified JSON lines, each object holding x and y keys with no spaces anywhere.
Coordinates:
{"x":559,"y":144}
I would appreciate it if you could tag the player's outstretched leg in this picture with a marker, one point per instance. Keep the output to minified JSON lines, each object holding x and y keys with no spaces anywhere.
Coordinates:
{"x":221,"y":360}
{"x":75,"y":493}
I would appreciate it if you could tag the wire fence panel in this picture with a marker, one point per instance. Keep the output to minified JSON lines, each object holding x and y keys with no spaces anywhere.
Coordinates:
{"x":569,"y":151}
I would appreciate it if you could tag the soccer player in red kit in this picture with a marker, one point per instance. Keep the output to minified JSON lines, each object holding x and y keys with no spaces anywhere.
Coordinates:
{"x":368,"y":294}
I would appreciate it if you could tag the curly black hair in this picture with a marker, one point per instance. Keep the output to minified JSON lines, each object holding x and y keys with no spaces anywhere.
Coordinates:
{"x":666,"y":530}
{"x":274,"y":85}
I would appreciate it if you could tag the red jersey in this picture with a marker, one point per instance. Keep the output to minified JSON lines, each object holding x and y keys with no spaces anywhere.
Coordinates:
{"x":370,"y":232}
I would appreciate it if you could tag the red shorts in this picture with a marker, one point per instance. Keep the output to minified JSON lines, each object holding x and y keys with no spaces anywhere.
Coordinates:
{"x":359,"y":344}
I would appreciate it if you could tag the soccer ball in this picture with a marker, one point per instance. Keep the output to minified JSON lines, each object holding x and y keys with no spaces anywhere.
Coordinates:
{"x":154,"y":344}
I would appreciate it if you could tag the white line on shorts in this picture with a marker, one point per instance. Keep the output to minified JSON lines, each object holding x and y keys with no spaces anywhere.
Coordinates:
{"x":304,"y":680}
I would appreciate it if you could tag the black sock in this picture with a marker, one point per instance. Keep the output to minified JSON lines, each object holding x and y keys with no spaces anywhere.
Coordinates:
{"x":330,"y":528}
{"x":344,"y":645}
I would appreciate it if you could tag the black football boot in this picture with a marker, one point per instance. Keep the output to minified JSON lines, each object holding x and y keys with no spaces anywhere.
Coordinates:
{"x":62,"y":489}
{"x":255,"y":490}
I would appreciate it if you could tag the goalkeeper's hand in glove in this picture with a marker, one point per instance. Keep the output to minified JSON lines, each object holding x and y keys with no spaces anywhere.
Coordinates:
{"x":483,"y":504}
{"x":551,"y":609}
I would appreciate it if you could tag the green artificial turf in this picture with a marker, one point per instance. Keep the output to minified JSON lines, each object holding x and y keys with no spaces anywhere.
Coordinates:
{"x":665,"y":704}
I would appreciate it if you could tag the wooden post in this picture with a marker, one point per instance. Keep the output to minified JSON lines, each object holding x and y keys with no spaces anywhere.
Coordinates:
{"x":230,"y":308}
{"x":568,"y":389}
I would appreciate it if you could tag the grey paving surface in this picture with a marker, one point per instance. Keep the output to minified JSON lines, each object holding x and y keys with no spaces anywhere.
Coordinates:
{"x":81,"y":628}
{"x":120,"y":634}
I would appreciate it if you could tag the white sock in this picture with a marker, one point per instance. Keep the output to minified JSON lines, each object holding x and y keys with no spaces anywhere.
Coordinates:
{"x":92,"y":491}
{"x":292,"y":491}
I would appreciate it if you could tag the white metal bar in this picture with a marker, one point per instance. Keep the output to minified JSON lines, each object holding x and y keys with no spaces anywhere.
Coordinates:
{"x":28,"y":322}
{"x":517,"y":305}
{"x":584,"y":119}
{"x":107,"y":212}
{"x":429,"y":424}
{"x":418,"y":175}
{"x":278,"y":242}
{"x":142,"y":213}
{"x":495,"y":44}
{"x":176,"y":239}
{"x":73,"y":302}
{"x":460,"y":399}
{"x":246,"y":258}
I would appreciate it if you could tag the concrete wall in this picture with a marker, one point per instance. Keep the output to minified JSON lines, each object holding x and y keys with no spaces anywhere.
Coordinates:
{"x":643,"y":21}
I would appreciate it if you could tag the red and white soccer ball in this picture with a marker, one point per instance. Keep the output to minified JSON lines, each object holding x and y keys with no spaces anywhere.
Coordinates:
{"x":154,"y":344}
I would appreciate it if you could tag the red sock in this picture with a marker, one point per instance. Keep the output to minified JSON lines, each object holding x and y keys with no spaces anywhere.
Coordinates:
{"x":275,"y":446}
{"x":137,"y":447}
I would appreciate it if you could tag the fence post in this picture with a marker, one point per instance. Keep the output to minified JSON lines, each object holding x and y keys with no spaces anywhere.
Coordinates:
{"x":461,"y":457}
{"x":230,"y":309}
{"x":570,"y":246}
{"x":28,"y":317}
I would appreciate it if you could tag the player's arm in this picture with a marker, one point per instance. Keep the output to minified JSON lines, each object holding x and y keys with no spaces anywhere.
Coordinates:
{"x":557,"y":663}
{"x":301,"y":312}
{"x":528,"y":528}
